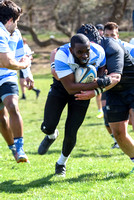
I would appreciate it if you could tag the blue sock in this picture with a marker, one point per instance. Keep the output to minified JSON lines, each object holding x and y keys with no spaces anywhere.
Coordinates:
{"x":12,"y":146}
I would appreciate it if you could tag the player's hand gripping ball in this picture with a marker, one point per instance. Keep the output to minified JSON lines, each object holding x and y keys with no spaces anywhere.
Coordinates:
{"x":85,"y":74}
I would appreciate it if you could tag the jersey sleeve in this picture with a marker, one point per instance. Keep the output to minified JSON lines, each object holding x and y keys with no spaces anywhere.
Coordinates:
{"x":97,"y":55}
{"x":102,"y":57}
{"x":4,"y":47}
{"x":129,"y":47}
{"x":19,"y":53}
{"x":114,"y":56}
{"x":62,"y":67}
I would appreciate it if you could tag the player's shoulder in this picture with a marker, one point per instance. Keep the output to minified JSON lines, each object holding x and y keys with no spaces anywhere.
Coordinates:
{"x":17,"y":33}
{"x":111,"y":45}
{"x":126,"y":44}
{"x":4,"y":33}
{"x":96,"y":47}
{"x":64,"y":49}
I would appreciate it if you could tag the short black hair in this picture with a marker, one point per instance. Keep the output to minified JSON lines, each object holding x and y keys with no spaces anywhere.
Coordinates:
{"x":79,"y":38}
{"x":91,"y":32}
{"x":8,"y":10}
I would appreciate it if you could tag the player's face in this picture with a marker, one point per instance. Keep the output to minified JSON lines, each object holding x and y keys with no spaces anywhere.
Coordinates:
{"x":12,"y":25}
{"x":81,"y":53}
{"x":111,"y":33}
{"x":101,"y":32}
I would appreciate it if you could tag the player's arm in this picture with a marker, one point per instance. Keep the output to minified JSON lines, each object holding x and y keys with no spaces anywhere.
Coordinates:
{"x":73,"y":88}
{"x":7,"y":61}
{"x":115,"y":64}
{"x":52,"y":58}
{"x":67,"y":77}
{"x":85,"y":95}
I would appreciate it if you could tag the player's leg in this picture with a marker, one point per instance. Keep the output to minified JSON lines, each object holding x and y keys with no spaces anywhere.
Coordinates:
{"x":10,"y":100}
{"x":118,"y":120}
{"x":124,"y":140}
{"x":22,"y":82}
{"x":52,"y":112}
{"x":115,"y":145}
{"x":37,"y":91}
{"x":76,"y":114}
{"x":103,"y":100}
{"x":4,"y":126}
{"x":6,"y":131}
{"x":131,"y":117}
{"x":99,"y":106}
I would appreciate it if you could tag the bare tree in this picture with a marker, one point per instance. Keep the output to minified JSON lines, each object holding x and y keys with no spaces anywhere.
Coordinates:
{"x":70,"y":19}
{"x":67,"y":16}
{"x":119,"y":8}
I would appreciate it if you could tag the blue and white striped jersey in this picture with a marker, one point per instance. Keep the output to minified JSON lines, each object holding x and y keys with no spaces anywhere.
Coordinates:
{"x":13,"y":45}
{"x":64,"y":60}
{"x":129,"y":47}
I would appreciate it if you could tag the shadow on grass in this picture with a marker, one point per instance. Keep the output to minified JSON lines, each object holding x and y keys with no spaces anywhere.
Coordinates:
{"x":49,"y":152}
{"x":96,"y":155}
{"x":10,"y":187}
{"x":93,"y":124}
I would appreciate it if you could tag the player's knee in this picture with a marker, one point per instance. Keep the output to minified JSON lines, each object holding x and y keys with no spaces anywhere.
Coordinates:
{"x":46,"y":130}
{"x":12,"y":107}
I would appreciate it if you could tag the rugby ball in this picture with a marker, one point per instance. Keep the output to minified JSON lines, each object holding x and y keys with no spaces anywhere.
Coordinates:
{"x":85,"y":74}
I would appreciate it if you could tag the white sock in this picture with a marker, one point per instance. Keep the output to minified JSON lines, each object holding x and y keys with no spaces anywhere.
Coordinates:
{"x":113,"y":138}
{"x":54,"y":135}
{"x":100,"y":110}
{"x":62,"y":160}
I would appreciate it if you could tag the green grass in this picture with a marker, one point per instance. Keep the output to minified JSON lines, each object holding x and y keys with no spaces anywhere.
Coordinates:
{"x":47,"y":35}
{"x":94,"y":170}
{"x":126,"y":36}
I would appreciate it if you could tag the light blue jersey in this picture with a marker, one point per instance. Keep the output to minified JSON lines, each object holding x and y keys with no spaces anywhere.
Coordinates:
{"x":65,"y":64}
{"x":13,"y":45}
{"x":129,"y":47}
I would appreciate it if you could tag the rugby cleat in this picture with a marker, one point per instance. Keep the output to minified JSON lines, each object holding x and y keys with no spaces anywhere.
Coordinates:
{"x":46,"y":143}
{"x":60,"y":170}
{"x":20,"y":155}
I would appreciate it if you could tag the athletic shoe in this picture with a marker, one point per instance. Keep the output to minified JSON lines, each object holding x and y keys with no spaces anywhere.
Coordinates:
{"x":14,"y":152}
{"x":44,"y":145}
{"x":60,"y":170}
{"x":115,"y":145}
{"x":20,"y":154}
{"x":37,"y":93}
{"x":21,"y":157}
{"x":100,"y":115}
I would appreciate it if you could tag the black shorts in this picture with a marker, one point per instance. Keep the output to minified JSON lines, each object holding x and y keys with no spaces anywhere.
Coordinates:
{"x":21,"y":74}
{"x":6,"y":89}
{"x":57,"y":89}
{"x":57,"y":99}
{"x":118,"y":104}
{"x":103,"y":96}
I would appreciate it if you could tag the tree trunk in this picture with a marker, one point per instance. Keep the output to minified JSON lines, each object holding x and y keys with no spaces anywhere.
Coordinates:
{"x":36,"y":40}
{"x":118,"y":11}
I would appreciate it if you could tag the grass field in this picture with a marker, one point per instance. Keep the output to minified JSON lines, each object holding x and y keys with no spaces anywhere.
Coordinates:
{"x":94,"y":170}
